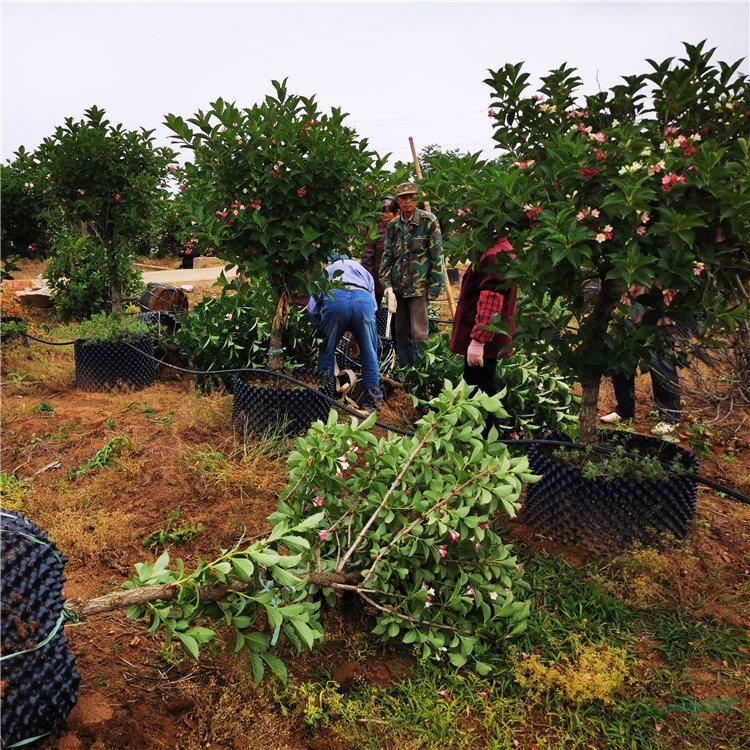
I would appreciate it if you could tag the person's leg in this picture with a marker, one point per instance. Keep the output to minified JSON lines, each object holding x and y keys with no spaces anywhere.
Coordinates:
{"x":362,"y":325}
{"x":420,"y":325}
{"x":485,"y":379}
{"x":665,"y":382}
{"x":404,"y":340}
{"x":625,"y":394}
{"x":333,"y":322}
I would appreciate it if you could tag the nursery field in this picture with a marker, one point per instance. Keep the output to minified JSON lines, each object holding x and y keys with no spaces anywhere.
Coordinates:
{"x":647,"y":650}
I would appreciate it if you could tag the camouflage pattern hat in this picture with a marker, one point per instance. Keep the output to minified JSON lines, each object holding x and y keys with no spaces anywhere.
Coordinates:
{"x":406,"y":188}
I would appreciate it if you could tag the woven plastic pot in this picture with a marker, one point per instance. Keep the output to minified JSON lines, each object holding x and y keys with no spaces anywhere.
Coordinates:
{"x":39,"y":676}
{"x":277,"y":409}
{"x":609,"y":516}
{"x":102,"y":367}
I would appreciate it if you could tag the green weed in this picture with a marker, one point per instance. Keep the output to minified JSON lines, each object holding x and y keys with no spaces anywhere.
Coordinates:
{"x":177,"y":535}
{"x":102,"y":458}
{"x":12,"y":490}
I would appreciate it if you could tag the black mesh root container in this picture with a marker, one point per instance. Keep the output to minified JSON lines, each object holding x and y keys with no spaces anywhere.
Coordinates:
{"x":39,"y":676}
{"x":608,"y":516}
{"x":278,"y":407}
{"x":103,"y":367}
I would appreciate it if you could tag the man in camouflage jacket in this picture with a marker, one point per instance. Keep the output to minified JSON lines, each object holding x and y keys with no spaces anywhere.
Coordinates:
{"x":412,"y":266}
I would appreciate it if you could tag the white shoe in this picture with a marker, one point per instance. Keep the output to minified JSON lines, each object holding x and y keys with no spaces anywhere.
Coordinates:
{"x":664,"y":428}
{"x":612,"y":418}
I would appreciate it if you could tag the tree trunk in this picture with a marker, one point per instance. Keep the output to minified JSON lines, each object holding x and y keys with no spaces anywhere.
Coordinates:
{"x":166,"y":592}
{"x":587,"y":420}
{"x":278,"y":326}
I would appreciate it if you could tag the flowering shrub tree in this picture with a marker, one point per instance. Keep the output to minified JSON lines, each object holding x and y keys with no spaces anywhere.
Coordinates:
{"x":103,"y":179}
{"x":406,"y":524}
{"x":276,"y":187}
{"x":644,"y":185}
{"x":23,"y":224}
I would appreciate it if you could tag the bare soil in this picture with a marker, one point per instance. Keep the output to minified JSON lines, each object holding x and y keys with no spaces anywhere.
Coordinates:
{"x":181,"y":452}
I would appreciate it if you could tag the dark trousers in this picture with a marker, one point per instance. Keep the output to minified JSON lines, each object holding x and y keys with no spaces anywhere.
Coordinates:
{"x":665,"y":383}
{"x":484,"y":378}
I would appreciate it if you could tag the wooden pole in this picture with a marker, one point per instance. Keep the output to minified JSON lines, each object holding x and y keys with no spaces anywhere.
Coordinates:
{"x":448,"y":290}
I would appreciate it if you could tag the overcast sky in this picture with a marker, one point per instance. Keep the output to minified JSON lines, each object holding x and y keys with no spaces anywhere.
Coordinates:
{"x":400,"y":69}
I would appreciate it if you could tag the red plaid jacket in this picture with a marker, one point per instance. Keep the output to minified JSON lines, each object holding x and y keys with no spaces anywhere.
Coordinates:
{"x":483,"y":294}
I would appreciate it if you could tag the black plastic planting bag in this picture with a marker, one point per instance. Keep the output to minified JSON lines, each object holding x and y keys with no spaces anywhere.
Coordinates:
{"x":102,"y":367}
{"x":608,"y":516}
{"x":39,"y":677}
{"x":282,"y":408}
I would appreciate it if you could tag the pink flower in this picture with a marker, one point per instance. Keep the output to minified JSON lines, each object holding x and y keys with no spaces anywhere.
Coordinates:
{"x":318,"y":501}
{"x":484,"y":525}
{"x":490,"y":113}
{"x":315,"y":244}
{"x":183,"y":186}
{"x":81,"y":191}
{"x":324,"y":534}
{"x":301,"y":192}
{"x":645,"y":218}
{"x":640,"y":231}
{"x":699,"y":269}
{"x":484,"y":694}
{"x":581,"y":216}
{"x":599,"y":137}
{"x":454,"y":535}
{"x":117,"y":197}
{"x":444,"y":694}
{"x":595,"y":213}
{"x":658,"y":727}
{"x":460,"y":212}
{"x":443,"y":550}
{"x":470,"y":593}
{"x":670,"y":180}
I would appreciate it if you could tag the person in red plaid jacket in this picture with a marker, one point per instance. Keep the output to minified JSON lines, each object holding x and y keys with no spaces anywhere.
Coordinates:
{"x":484,"y":293}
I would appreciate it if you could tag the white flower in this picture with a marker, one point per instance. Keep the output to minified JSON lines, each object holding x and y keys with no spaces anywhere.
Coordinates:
{"x":427,"y":604}
{"x":431,"y":592}
{"x":493,"y":595}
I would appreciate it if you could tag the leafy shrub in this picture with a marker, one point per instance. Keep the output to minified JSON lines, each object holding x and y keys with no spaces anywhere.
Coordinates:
{"x":81,"y":272}
{"x":617,"y":464}
{"x":11,"y":330}
{"x":424,"y":380}
{"x":23,"y":222}
{"x":536,"y":399}
{"x":232,"y":331}
{"x":406,"y":523}
{"x":102,"y":179}
{"x":114,"y":328}
{"x":275,"y":187}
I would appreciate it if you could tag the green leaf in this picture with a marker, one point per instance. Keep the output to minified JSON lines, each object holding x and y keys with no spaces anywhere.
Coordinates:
{"x":243,"y":568}
{"x":258,"y":667}
{"x":189,"y":644}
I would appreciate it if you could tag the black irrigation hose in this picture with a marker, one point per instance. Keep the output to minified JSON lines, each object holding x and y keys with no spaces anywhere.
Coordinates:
{"x":51,"y":343}
{"x":505,"y":441}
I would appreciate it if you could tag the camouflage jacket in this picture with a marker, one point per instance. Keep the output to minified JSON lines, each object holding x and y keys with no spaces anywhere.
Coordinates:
{"x":412,"y":261}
